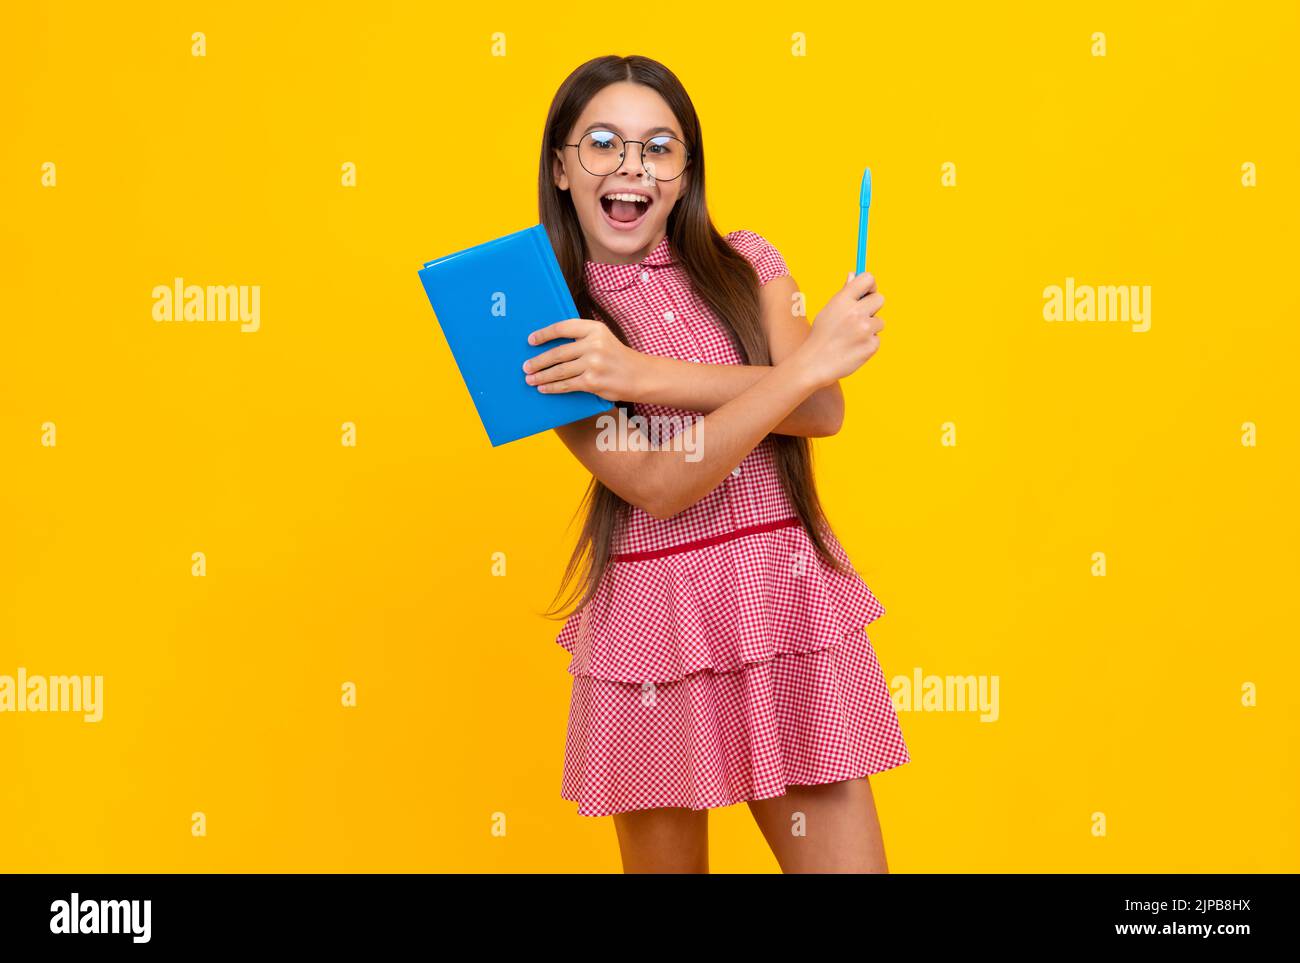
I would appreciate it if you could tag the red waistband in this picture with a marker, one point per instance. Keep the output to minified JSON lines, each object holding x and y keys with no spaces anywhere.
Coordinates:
{"x":703,"y":542}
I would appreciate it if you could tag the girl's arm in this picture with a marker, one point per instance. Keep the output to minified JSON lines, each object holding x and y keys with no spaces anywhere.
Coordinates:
{"x":665,"y":481}
{"x":601,"y":364}
{"x":706,"y":387}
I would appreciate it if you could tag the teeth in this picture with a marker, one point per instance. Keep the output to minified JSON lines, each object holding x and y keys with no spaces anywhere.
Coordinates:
{"x":638,"y":198}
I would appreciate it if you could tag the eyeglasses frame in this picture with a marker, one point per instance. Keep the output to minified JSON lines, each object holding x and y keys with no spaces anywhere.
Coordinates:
{"x":622,"y":159}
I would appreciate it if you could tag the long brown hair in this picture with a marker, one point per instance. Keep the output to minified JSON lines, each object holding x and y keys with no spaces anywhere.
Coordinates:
{"x":721,"y":276}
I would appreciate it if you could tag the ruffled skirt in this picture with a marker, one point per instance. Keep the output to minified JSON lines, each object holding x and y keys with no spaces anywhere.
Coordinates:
{"x":724,"y":674}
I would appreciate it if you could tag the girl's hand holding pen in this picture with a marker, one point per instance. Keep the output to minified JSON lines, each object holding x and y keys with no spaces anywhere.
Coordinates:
{"x":845,"y":333}
{"x":595,"y":361}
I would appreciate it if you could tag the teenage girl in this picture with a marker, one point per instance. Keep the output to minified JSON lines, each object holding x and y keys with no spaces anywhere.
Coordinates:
{"x":719,"y":651}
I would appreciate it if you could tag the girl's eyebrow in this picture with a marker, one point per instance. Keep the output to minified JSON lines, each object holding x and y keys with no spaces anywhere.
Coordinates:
{"x":604,"y":125}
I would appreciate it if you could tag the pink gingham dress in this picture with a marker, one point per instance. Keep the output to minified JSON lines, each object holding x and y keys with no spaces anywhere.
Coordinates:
{"x":720,"y":660}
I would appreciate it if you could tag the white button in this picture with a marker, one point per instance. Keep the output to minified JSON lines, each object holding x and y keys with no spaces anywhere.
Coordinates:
{"x":735,"y":471}
{"x":695,"y":360}
{"x":668,"y":315}
{"x":645,"y":275}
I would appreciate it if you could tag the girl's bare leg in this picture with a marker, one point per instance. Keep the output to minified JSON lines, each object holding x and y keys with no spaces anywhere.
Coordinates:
{"x":831,"y":828}
{"x":667,"y":840}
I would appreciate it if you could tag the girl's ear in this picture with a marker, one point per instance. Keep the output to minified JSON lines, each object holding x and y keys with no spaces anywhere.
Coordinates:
{"x":558,"y":173}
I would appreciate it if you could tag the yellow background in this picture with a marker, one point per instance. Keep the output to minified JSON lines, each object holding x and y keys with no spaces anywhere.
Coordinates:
{"x":1119,"y":695}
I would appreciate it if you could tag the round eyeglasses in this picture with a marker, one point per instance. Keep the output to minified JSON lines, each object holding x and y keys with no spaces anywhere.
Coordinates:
{"x":601,"y":153}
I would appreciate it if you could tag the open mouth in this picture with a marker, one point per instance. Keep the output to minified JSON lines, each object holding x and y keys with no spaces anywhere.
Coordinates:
{"x":624,"y":211}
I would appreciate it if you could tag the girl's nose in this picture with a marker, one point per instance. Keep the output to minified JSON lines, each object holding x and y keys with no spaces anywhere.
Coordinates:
{"x":638,"y":167}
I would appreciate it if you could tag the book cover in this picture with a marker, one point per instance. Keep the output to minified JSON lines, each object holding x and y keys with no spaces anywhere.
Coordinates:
{"x":487,"y":299}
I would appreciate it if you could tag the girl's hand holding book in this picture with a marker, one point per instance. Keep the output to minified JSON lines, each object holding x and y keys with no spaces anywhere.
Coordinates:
{"x":596,"y":361}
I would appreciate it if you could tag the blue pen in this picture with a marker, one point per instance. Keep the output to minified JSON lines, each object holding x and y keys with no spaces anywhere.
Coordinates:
{"x":865,"y":206}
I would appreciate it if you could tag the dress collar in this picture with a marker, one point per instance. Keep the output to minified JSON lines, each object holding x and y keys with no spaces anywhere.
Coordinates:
{"x":617,"y":277}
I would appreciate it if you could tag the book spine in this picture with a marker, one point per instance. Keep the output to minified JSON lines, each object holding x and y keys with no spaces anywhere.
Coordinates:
{"x":551,"y":268}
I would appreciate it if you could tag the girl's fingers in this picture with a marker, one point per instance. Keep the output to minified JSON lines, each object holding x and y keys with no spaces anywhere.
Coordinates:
{"x":561,"y":352}
{"x":559,"y":387}
{"x":558,"y":372}
{"x":863,"y":284}
{"x":569,"y":328}
{"x":872,"y":302}
{"x":859,"y":286}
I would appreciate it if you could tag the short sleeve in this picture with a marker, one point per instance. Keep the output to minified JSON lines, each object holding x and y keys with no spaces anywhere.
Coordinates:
{"x":766,"y":259}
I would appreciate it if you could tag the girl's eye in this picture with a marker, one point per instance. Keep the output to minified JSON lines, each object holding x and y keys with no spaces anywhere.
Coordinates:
{"x":602,"y":140}
{"x":660,"y":146}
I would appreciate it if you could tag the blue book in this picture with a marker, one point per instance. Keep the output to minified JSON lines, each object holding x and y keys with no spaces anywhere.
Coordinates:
{"x":488,"y":299}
